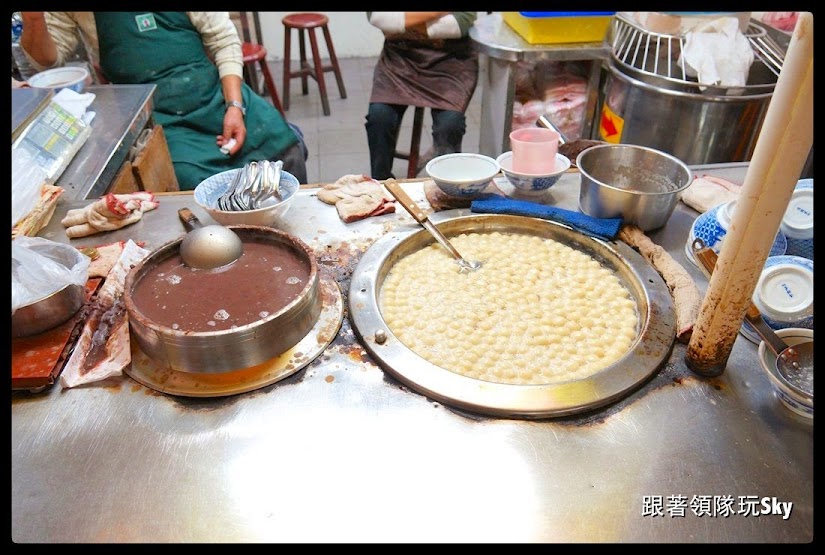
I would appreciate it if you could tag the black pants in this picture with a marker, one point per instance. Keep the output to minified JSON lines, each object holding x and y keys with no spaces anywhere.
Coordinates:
{"x":294,"y":161}
{"x":383,"y":123}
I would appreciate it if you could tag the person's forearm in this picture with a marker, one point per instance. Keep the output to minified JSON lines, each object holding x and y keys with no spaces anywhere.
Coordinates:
{"x":36,"y":40}
{"x":231,"y":86}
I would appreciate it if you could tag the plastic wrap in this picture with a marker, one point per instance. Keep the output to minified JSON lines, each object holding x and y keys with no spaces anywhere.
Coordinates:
{"x":40,"y":267}
{"x":27,"y":179}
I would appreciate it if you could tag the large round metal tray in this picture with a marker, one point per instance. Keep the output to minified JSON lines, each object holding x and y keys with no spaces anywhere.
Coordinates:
{"x":657,"y":324}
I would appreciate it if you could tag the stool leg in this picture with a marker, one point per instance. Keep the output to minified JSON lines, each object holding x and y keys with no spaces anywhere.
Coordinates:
{"x":415,"y":143}
{"x":287,"y":71}
{"x":270,"y":86}
{"x":319,"y":71}
{"x":334,"y":59}
{"x":304,"y":65}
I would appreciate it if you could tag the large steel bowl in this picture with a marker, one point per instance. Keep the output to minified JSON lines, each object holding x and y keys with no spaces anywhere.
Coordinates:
{"x":639,"y":184}
{"x":231,"y":349}
{"x":656,"y":331}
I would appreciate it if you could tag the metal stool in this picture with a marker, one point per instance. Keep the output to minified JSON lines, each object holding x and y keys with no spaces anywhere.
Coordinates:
{"x":415,"y":144}
{"x":310,"y":22}
{"x":255,"y":53}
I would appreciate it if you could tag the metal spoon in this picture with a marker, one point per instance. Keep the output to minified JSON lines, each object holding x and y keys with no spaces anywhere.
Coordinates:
{"x":208,"y":247}
{"x":418,"y":214}
{"x":794,"y":363}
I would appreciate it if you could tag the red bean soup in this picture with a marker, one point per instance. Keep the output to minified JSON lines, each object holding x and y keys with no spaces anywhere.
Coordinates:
{"x":265,"y":279}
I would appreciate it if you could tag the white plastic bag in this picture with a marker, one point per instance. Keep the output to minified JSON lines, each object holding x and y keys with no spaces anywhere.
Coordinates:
{"x":40,"y":267}
{"x":27,"y":179}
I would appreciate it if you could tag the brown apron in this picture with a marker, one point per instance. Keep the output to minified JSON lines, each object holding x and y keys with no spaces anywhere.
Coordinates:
{"x":440,"y":73}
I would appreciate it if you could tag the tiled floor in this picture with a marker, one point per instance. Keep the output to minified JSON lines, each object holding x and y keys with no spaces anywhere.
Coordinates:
{"x":338,"y":142}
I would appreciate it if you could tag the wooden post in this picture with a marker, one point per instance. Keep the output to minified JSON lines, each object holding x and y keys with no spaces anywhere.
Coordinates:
{"x":781,"y":149}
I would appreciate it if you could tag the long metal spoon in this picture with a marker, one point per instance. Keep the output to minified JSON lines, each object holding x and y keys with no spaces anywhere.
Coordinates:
{"x":794,"y":363}
{"x":208,"y":246}
{"x":421,"y":217}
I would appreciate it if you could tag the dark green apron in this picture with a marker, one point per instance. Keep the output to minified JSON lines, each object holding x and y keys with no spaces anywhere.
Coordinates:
{"x":165,"y":49}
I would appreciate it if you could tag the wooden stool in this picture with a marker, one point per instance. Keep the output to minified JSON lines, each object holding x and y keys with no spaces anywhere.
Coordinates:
{"x":309,"y":22}
{"x":415,"y":144}
{"x":255,"y":53}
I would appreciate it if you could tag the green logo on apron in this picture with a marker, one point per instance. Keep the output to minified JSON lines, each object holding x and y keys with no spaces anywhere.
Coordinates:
{"x":146,"y":22}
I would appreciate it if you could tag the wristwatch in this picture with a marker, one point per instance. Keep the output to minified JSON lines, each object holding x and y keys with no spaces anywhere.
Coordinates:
{"x":237,"y":105}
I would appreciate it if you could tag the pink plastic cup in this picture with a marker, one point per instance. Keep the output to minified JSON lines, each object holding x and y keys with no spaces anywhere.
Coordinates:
{"x":534,"y":150}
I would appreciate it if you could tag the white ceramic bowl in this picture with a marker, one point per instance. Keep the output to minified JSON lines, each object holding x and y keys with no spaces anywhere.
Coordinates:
{"x":800,"y":404}
{"x":798,"y":221}
{"x":209,"y":190}
{"x":712,"y":226}
{"x":784,"y":295}
{"x":462,"y":174}
{"x":532,"y":184}
{"x":68,"y":77}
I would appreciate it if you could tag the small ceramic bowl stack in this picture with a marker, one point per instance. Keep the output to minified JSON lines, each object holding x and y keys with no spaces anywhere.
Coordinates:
{"x":462,"y":174}
{"x":798,"y":221}
{"x":712,"y":226}
{"x":784,"y":295}
{"x":531,"y":184}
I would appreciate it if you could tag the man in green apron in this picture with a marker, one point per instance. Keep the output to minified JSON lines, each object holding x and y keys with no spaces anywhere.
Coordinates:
{"x":201,"y":103}
{"x":427,"y":60}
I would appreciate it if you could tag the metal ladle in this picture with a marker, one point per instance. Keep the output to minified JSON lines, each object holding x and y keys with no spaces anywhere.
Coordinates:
{"x":208,"y":246}
{"x":794,"y":363}
{"x":418,"y":214}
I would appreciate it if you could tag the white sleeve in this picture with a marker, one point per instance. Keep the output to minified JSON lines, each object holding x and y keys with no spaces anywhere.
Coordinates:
{"x":445,"y":27}
{"x":388,"y":22}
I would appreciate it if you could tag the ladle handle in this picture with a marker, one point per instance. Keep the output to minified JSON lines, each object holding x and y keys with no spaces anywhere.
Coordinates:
{"x":546,"y":122}
{"x":404,"y":199}
{"x":707,"y":260}
{"x":190,"y":221}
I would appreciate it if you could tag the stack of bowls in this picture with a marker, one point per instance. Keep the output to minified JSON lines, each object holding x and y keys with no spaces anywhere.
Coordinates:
{"x":462,"y":174}
{"x":531,"y":184}
{"x":798,"y":221}
{"x":712,"y":226}
{"x":784,"y":295}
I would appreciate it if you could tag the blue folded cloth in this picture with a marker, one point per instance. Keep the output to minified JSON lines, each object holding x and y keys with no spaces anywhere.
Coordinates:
{"x":606,"y":228}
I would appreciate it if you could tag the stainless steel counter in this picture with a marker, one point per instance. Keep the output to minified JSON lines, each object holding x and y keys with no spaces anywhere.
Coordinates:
{"x":121,"y":113}
{"x":500,"y":48}
{"x":341,"y":452}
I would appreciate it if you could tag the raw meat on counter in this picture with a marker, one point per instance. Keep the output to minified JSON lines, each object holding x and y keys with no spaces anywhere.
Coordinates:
{"x":357,"y":197}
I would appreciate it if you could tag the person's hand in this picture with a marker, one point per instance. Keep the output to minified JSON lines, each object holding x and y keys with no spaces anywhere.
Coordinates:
{"x":233,"y":128}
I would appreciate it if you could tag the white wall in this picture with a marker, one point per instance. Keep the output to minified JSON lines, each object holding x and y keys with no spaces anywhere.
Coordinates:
{"x":352,"y":36}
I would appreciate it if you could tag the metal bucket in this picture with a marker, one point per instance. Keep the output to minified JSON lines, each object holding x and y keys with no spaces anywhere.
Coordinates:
{"x":230,"y":349}
{"x":697,"y":128}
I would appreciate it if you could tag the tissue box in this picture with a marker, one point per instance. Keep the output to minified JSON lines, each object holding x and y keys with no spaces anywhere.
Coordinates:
{"x":559,"y":27}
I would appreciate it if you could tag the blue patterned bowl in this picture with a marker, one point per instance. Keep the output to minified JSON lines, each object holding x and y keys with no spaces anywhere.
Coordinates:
{"x":530,"y":184}
{"x":712,"y":226}
{"x":210,"y":189}
{"x":462,"y":174}
{"x":798,"y":221}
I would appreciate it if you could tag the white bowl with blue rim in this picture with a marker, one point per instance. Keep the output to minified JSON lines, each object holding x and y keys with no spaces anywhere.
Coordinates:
{"x":801,"y":399}
{"x":798,"y":221}
{"x":784,"y":295}
{"x":272,"y":212}
{"x":462,"y":174}
{"x":712,"y":226}
{"x":528,"y":183}
{"x":69,"y":77}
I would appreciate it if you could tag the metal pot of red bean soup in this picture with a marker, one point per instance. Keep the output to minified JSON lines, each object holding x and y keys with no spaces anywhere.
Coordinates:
{"x":229,"y":318}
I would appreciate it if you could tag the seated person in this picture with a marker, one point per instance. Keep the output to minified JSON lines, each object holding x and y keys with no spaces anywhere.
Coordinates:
{"x":427,"y":60}
{"x":200,"y":104}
